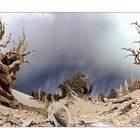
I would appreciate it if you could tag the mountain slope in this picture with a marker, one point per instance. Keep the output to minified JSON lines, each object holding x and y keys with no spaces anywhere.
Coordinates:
{"x":26,"y":99}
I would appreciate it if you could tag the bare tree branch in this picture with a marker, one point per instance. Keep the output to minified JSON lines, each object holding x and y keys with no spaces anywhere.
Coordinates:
{"x":134,"y":53}
{"x":2,"y":29}
{"x":14,"y":64}
{"x":135,"y":23}
{"x":135,"y":42}
{"x":22,"y":45}
{"x":128,"y":55}
{"x":9,"y":65}
{"x":138,"y":30}
{"x":7,"y":42}
{"x":30,"y":52}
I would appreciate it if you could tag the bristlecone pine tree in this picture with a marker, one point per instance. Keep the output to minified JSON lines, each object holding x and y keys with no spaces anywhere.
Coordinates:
{"x":9,"y":65}
{"x":134,"y":52}
{"x":78,"y":83}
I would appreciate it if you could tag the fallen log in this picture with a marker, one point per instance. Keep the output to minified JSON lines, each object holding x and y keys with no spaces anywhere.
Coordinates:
{"x":51,"y":118}
{"x":58,"y":115}
{"x":13,"y":121}
{"x":126,"y":108}
{"x":72,"y":93}
{"x":121,"y":100}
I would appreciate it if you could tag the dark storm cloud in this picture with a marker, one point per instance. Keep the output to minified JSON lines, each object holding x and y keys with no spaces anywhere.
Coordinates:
{"x":69,"y":42}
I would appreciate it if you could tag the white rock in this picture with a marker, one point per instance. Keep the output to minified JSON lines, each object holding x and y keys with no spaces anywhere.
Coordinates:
{"x":106,"y":99}
{"x":26,"y":123}
{"x":100,"y":124}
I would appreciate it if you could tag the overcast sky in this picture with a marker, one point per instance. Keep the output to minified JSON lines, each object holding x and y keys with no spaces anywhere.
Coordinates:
{"x":70,"y":42}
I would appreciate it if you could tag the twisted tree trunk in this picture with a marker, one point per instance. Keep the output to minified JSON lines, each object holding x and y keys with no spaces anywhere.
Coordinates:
{"x":6,"y":96}
{"x":10,"y":62}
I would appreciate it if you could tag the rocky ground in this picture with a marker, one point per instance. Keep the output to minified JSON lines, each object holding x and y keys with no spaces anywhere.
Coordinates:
{"x":123,"y":111}
{"x":21,"y":118}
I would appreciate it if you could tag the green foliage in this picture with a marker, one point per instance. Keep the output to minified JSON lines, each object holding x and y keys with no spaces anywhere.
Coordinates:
{"x":64,"y":90}
{"x":134,"y":85}
{"x":56,"y":97}
{"x":33,"y":94}
{"x":76,"y":82}
{"x":113,"y":94}
{"x":101,"y":97}
{"x":49,"y":97}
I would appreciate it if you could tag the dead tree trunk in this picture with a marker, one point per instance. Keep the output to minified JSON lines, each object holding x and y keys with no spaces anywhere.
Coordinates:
{"x":9,"y":65}
{"x":59,"y":115}
{"x":135,"y":53}
{"x":6,"y":96}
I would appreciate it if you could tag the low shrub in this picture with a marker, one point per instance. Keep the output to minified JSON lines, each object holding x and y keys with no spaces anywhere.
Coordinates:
{"x":101,"y":97}
{"x":113,"y":94}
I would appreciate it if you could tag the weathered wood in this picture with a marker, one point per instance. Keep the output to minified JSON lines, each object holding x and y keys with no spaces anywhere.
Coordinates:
{"x":121,"y":100}
{"x":59,"y":115}
{"x":111,"y":110}
{"x":42,"y":111}
{"x":13,"y":121}
{"x":26,"y":123}
{"x":9,"y":65}
{"x":72,"y":93}
{"x":51,"y":118}
{"x":126,"y":108}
